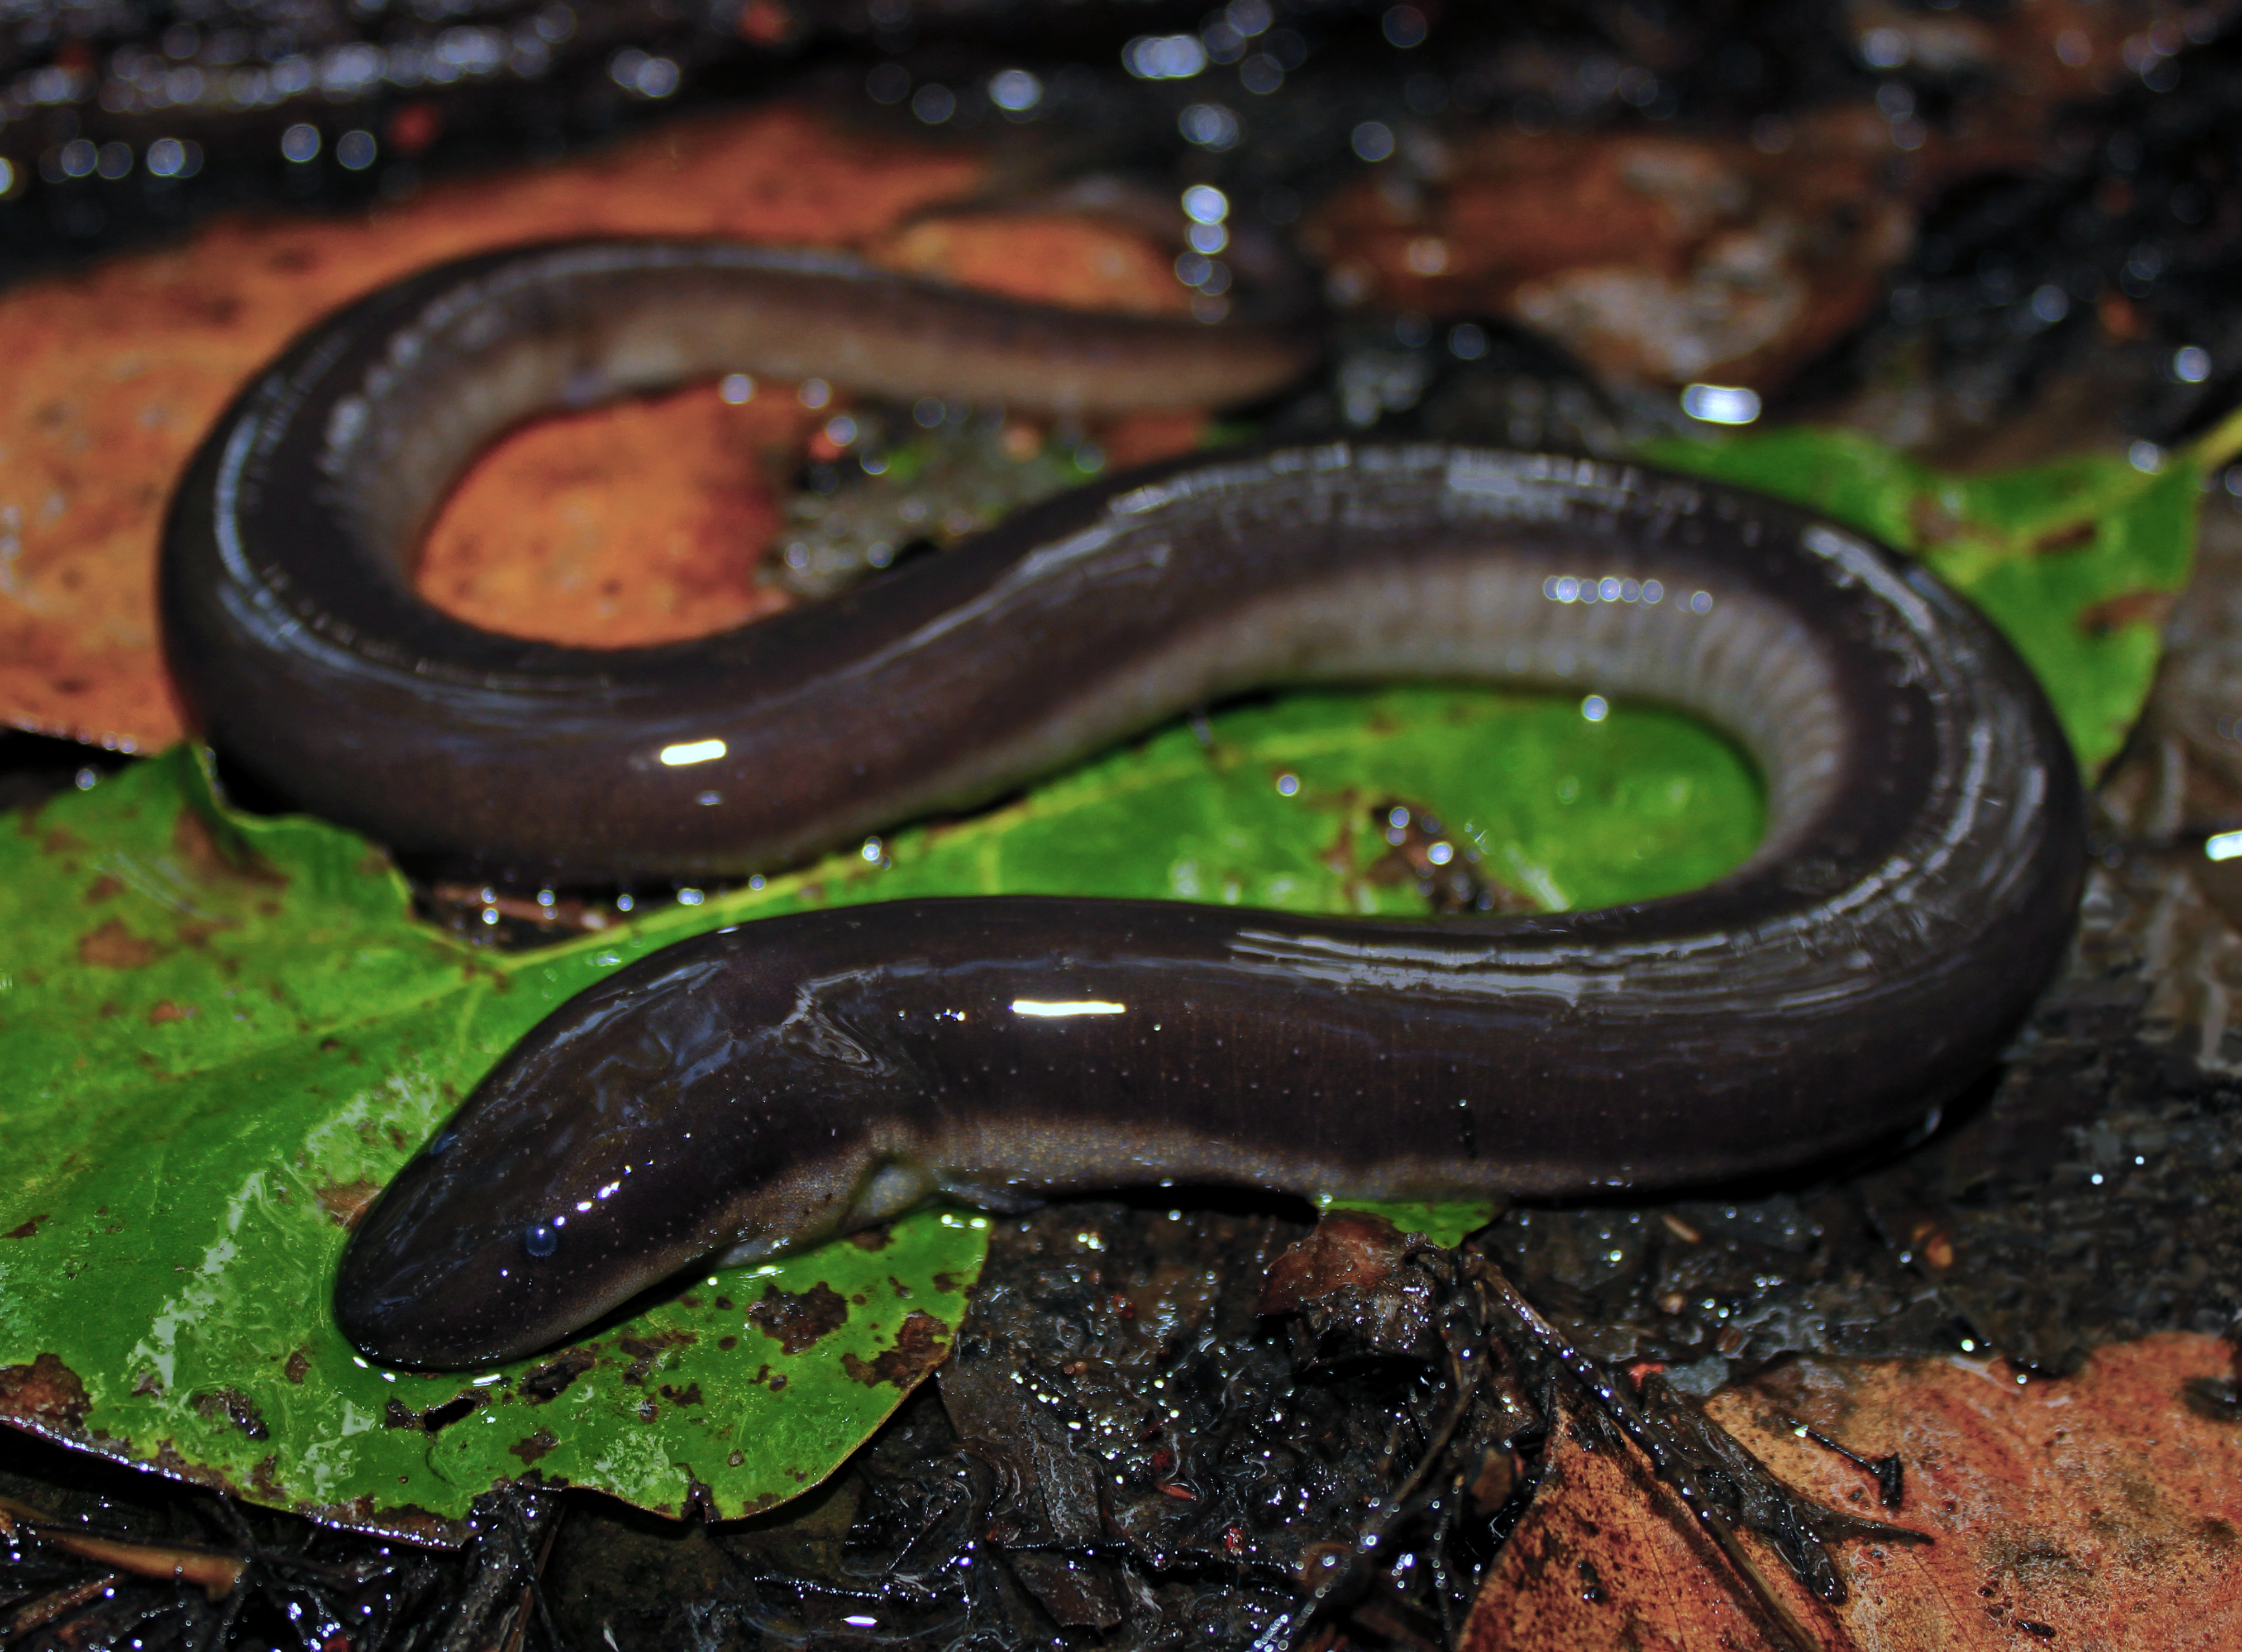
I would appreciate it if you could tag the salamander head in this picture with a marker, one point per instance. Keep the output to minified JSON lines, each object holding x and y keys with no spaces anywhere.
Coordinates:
{"x":646,"y":1125}
{"x":461,"y":1263}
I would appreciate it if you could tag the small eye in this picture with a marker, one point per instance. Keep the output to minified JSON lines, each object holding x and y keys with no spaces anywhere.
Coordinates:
{"x":540,"y":1241}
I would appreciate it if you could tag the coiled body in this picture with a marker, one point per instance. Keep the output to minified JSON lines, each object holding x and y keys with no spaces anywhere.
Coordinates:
{"x":785,"y":1079}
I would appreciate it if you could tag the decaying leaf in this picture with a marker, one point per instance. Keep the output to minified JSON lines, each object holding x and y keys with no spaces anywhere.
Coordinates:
{"x":2095,"y":1511}
{"x":117,"y":372}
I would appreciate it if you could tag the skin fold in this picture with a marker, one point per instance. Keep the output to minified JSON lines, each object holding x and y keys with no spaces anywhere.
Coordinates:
{"x":777,"y":1082}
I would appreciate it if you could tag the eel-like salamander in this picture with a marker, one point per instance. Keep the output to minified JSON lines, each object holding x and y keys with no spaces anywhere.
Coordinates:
{"x":778,"y":1081}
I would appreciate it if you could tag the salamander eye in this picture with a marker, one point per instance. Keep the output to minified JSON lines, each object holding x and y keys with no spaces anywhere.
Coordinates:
{"x":541,"y":1240}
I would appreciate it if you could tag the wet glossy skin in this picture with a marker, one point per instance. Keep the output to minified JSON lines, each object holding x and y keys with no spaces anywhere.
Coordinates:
{"x":294,"y":636}
{"x":776,"y":1083}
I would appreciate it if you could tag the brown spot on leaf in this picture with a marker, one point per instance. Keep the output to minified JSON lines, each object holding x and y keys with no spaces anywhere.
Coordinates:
{"x":1447,"y":874}
{"x":872,"y":1239}
{"x":2129,"y":607}
{"x":688,"y":1395}
{"x":535,"y":1446}
{"x":549,"y":1380}
{"x":27,"y":1230}
{"x":1933,"y":523}
{"x":166,"y":1011}
{"x":797,"y":1319}
{"x":299,"y":1365}
{"x":346,"y":1202}
{"x":2072,"y":536}
{"x":111,"y":947}
{"x":168,"y":1459}
{"x":44,"y":1390}
{"x":211,"y":855}
{"x":646,"y":1352}
{"x":101,"y":889}
{"x":198,"y":935}
{"x":429,"y":1420}
{"x":922,"y":1344}
{"x":236,"y":1407}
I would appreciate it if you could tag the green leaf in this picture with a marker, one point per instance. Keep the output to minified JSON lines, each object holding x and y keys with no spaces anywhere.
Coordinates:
{"x":1448,"y":1222}
{"x":219,"y":1032}
{"x":2076,"y":560}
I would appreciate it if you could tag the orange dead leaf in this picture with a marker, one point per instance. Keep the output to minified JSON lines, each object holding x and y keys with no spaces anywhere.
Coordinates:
{"x":1608,"y":1557}
{"x":2098,"y":1510}
{"x":633,"y":524}
{"x":119,"y":370}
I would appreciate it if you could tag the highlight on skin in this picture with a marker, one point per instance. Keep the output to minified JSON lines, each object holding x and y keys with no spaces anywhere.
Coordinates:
{"x":770,"y":1084}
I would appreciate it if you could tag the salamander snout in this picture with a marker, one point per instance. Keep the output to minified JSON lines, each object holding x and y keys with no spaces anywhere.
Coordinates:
{"x":440,"y":1275}
{"x":479,"y":1252}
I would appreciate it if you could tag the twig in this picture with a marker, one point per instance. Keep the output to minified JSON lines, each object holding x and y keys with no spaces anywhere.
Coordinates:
{"x":1796,"y":1635}
{"x":49,"y":1608}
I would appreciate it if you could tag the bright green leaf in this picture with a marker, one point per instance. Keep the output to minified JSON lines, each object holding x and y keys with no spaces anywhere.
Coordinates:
{"x":2077,"y":561}
{"x":1448,"y":1222}
{"x":219,"y":1032}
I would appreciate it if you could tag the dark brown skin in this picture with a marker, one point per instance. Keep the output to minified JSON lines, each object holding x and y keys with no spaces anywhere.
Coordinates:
{"x":770,"y":1084}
